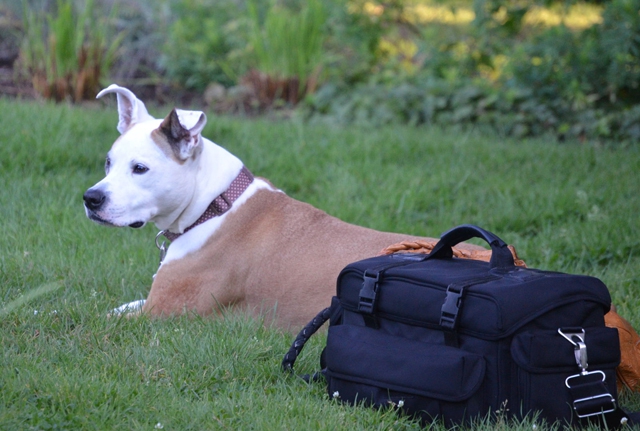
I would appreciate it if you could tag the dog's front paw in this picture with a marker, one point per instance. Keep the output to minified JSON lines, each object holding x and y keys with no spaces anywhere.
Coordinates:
{"x":130,"y":309}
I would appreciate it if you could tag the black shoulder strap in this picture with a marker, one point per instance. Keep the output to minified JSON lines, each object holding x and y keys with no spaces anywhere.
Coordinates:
{"x":302,"y":338}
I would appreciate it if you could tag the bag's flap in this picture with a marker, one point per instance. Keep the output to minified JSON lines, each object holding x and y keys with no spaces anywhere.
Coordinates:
{"x":547,"y":351}
{"x":495,"y":305}
{"x":365,"y":355}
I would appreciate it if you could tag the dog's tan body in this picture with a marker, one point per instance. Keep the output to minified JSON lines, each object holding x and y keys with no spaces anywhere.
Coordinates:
{"x":270,"y":255}
{"x":273,"y":253}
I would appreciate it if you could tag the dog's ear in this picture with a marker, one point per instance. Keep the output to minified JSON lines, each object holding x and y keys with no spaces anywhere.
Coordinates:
{"x":182,"y":130}
{"x":131,"y":110}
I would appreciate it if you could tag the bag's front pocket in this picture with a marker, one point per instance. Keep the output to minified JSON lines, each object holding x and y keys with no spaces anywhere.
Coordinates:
{"x":544,"y":359}
{"x":364,"y":364}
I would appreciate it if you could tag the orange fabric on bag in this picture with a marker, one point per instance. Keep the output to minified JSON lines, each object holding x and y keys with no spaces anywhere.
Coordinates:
{"x":420,"y":246}
{"x":628,"y":372}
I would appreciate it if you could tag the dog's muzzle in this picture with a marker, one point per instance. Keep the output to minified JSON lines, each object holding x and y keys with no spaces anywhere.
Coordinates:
{"x":94,"y":199}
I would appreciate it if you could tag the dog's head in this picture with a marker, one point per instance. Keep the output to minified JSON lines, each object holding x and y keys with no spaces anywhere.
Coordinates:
{"x":150,"y":171}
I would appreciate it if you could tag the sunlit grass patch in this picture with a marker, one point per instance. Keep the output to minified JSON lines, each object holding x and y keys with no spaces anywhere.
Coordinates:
{"x":65,"y":365}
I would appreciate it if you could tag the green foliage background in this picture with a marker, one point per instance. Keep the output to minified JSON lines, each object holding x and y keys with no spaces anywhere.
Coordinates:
{"x":495,"y":72}
{"x":378,"y":63}
{"x":571,"y":84}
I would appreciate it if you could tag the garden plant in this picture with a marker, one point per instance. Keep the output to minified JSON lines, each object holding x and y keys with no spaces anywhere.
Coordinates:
{"x":566,"y":70}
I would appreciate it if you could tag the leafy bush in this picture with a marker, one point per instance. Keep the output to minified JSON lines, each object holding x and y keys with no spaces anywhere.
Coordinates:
{"x":572,"y":84}
{"x":143,"y":27}
{"x":206,"y":42}
{"x":364,"y":61}
{"x":279,"y":49}
{"x":589,"y":80}
{"x":66,"y":52}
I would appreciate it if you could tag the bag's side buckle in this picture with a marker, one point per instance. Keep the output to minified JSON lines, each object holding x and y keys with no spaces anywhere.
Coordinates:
{"x":451,"y":307}
{"x":584,"y":409}
{"x":577,"y":337}
{"x":590,"y":394}
{"x":368,"y":292}
{"x":598,"y":403}
{"x":586,"y":373}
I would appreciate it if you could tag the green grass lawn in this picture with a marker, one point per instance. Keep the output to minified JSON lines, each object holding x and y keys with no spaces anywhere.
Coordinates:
{"x":566,"y":207}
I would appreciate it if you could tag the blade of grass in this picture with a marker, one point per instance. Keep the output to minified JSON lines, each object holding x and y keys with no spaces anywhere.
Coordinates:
{"x":30,"y":296}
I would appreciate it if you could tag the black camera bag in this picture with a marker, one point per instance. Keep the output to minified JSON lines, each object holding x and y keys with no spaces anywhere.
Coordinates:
{"x":452,"y":339}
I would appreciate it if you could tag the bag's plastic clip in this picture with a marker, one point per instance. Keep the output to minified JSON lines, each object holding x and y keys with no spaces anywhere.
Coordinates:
{"x":451,"y":307}
{"x":449,"y":314}
{"x":590,"y":394}
{"x":368,"y":292}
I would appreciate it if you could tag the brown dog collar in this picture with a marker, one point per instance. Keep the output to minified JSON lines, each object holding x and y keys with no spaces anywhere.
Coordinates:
{"x":220,"y":204}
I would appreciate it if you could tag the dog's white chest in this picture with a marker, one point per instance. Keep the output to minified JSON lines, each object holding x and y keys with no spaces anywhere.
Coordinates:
{"x":196,"y":238}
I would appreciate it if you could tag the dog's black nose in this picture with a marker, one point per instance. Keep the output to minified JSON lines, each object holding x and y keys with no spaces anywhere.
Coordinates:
{"x":93,"y":199}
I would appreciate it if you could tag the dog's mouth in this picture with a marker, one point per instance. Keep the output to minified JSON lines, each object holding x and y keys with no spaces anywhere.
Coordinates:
{"x":96,"y":218}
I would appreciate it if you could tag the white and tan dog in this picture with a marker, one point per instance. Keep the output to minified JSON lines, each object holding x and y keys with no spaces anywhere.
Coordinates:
{"x":236,"y":241}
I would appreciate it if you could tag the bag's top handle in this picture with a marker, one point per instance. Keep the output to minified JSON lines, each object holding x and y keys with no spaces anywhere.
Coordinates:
{"x":501,"y":256}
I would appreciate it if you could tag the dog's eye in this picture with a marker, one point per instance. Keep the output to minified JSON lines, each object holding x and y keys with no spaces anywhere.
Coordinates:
{"x":139,"y":169}
{"x":107,"y":164}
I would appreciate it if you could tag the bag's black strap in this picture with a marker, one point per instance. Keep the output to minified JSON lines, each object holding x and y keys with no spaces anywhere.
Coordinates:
{"x":590,"y":394}
{"x":593,"y":404}
{"x":302,"y":338}
{"x":592,"y":401}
